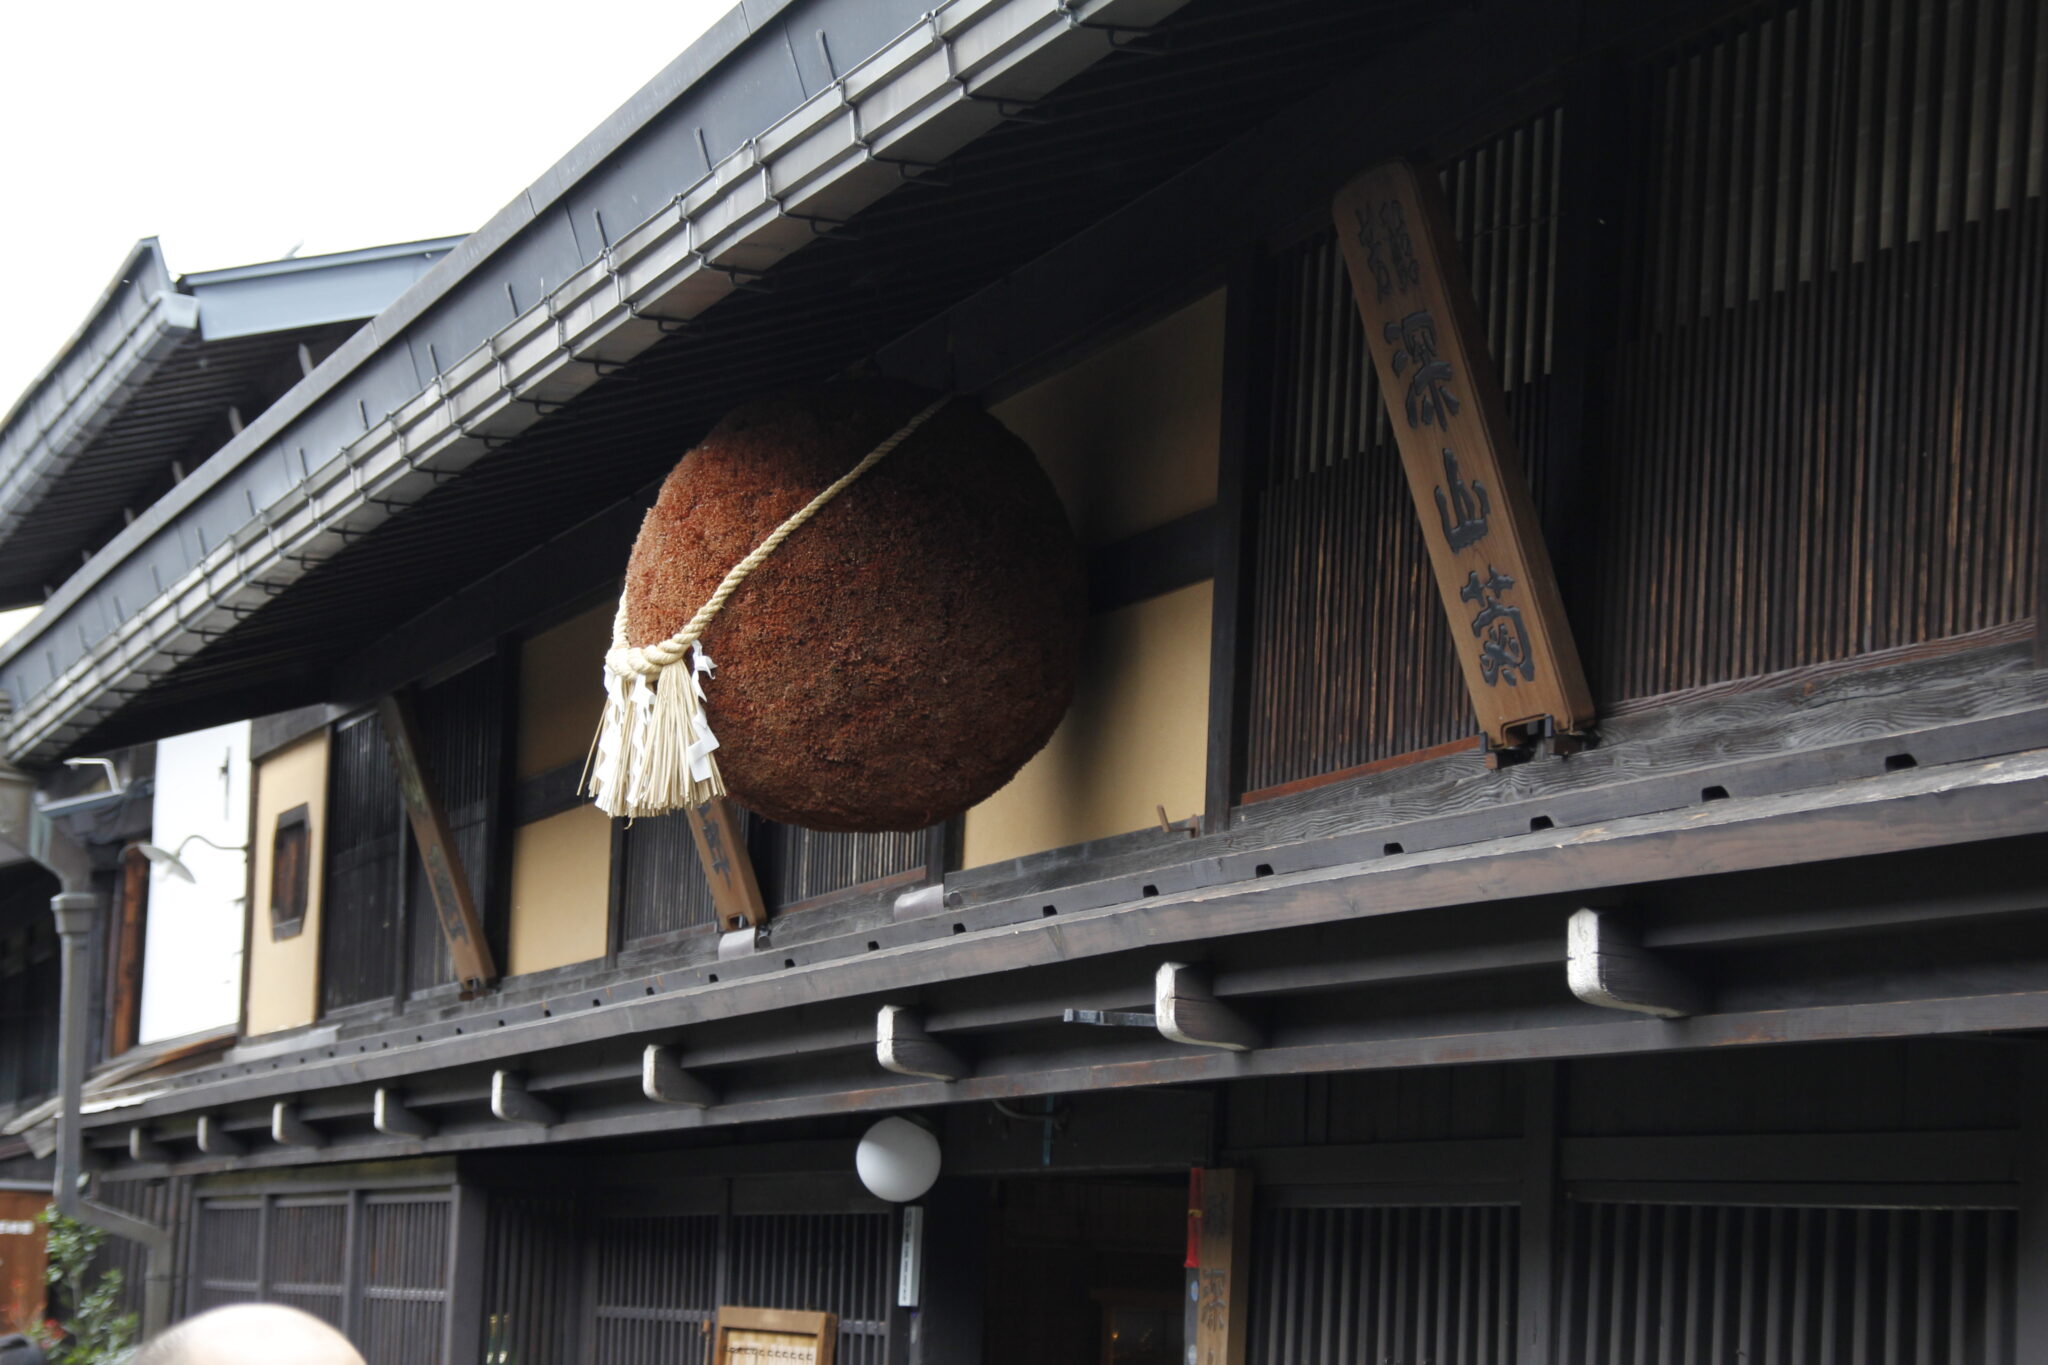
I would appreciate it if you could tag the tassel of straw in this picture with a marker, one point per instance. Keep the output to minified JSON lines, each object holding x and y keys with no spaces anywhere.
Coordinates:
{"x":654,"y":750}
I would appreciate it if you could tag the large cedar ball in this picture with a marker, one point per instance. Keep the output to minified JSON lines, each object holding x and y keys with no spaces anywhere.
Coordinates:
{"x":901,"y":655}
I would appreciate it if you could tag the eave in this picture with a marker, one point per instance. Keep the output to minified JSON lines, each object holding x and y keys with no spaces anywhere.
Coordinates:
{"x":1837,"y":894}
{"x":620,"y":243}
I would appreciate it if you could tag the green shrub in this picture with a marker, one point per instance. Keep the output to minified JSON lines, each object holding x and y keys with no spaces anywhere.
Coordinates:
{"x":91,"y":1315}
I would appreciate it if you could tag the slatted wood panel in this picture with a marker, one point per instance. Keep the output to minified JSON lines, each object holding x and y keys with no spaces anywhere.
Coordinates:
{"x":404,"y":1276}
{"x":308,"y":1250}
{"x":663,"y":883}
{"x":376,"y":1265}
{"x":798,"y":864}
{"x":1828,"y":401}
{"x":1351,"y":660}
{"x":842,"y":1263}
{"x":359,"y":913}
{"x":1368,"y":1286}
{"x":532,"y":1261}
{"x":655,"y":1286}
{"x":1689,"y":1285}
{"x":227,"y":1254}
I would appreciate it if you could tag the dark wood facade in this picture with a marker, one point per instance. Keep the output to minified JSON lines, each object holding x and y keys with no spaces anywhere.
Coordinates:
{"x":1765,"y":285}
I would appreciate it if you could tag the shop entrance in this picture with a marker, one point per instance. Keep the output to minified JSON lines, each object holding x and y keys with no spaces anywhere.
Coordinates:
{"x":1086,"y":1272}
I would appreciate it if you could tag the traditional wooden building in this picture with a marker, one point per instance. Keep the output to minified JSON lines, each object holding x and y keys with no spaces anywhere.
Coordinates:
{"x":1545,"y":864}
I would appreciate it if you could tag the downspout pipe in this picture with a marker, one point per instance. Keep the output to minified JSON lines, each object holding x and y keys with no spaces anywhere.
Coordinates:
{"x":76,"y":906}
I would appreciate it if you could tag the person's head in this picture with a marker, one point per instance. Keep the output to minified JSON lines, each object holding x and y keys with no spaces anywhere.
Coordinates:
{"x":19,"y":1350}
{"x":249,"y":1334}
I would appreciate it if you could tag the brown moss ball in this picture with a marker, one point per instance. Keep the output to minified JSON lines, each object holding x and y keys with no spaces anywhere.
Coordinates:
{"x":901,"y":655}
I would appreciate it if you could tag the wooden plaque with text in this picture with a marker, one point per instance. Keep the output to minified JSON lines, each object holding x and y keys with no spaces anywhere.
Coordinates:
{"x":774,"y":1336}
{"x":1450,"y":421}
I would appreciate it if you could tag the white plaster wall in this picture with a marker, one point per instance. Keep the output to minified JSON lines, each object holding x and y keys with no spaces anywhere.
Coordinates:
{"x":192,"y":952}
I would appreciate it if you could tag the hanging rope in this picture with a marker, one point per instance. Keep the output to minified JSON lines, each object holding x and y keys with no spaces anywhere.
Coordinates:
{"x":653,"y":752}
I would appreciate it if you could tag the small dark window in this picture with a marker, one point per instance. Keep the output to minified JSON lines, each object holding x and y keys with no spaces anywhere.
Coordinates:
{"x":291,"y":866}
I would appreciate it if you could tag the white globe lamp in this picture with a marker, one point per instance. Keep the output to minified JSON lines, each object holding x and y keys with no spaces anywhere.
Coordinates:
{"x":897,"y":1160}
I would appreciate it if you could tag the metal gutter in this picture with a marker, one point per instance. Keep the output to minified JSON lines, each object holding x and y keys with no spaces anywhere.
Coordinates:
{"x":308,"y":476}
{"x":138,"y":322}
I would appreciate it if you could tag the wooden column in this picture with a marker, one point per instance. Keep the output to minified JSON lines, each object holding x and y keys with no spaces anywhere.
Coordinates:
{"x":124,"y":963}
{"x":1219,"y":1281}
{"x":1450,"y":421}
{"x":1536,"y":1294}
{"x":460,"y":924}
{"x":2031,"y":1254}
{"x":1237,"y":475}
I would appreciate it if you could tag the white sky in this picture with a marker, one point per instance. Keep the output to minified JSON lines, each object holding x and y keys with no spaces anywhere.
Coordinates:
{"x":236,"y":131}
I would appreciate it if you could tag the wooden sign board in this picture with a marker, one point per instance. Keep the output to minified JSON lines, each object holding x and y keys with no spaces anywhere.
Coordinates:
{"x":1219,"y":1266}
{"x":773,"y":1336}
{"x":1450,"y":421}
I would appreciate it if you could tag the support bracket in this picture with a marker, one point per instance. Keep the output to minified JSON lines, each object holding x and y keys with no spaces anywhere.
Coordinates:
{"x":1190,"y":1013}
{"x":902,"y":1046}
{"x":143,"y":1147}
{"x":287,"y":1129}
{"x":512,"y":1102}
{"x":215,"y":1140}
{"x":389,"y":1116}
{"x":1607,"y":965}
{"x":663,"y":1079}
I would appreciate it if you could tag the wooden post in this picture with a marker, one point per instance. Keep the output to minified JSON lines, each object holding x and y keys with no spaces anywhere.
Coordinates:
{"x":460,"y":924}
{"x":124,"y":966}
{"x":1219,"y":1274}
{"x":1450,"y":421}
{"x":728,"y":870}
{"x":2030,"y":1258}
{"x":1536,"y":1293}
{"x":1231,"y":623}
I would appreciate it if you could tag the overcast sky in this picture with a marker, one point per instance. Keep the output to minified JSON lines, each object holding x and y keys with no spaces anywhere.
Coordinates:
{"x":238,"y":131}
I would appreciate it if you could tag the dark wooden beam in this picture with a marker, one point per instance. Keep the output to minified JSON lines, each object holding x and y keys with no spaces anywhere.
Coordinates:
{"x":557,"y":790}
{"x":124,"y":961}
{"x":1535,"y":1298}
{"x":1926,"y":809}
{"x":581,"y":564}
{"x":461,"y":925}
{"x":1142,"y":566}
{"x":2031,"y":1250}
{"x":1239,"y":468}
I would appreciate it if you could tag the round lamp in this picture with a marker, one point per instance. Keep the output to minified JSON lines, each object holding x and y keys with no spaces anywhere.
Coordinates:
{"x":897,"y":1160}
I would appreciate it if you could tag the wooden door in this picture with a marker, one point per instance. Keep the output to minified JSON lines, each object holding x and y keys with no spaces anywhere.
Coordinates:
{"x":21,"y":1259}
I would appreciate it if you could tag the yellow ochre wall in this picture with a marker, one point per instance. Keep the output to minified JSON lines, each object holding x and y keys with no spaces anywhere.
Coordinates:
{"x":561,"y":866}
{"x":1129,"y":437}
{"x":284,"y":977}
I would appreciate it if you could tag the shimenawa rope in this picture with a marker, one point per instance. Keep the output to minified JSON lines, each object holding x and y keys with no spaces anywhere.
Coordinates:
{"x":653,"y":752}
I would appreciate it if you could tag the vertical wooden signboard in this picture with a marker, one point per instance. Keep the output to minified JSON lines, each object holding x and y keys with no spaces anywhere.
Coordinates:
{"x":1450,"y":421}
{"x":1219,"y":1265}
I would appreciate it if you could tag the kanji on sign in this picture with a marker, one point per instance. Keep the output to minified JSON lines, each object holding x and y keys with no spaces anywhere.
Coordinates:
{"x":1429,"y":402}
{"x":1464,"y":515}
{"x":1503,"y":639}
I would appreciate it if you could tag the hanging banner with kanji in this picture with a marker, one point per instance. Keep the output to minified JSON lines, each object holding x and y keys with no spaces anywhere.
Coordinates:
{"x":1444,"y":398}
